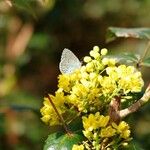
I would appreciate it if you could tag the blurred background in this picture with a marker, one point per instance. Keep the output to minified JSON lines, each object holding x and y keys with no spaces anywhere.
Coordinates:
{"x":33,"y":34}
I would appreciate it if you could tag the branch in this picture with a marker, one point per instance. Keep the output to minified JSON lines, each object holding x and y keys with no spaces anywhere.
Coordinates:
{"x":59,"y":116}
{"x":114,"y":108}
{"x":134,"y":107}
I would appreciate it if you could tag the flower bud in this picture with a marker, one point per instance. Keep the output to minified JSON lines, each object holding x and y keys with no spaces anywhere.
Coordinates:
{"x":104,"y":51}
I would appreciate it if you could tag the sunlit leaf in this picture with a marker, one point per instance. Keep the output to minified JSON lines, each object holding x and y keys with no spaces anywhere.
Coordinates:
{"x":59,"y":141}
{"x":126,"y":58}
{"x":139,"y":33}
{"x":129,"y":57}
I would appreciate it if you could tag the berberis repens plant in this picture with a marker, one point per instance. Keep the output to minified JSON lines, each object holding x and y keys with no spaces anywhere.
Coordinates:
{"x":91,"y":102}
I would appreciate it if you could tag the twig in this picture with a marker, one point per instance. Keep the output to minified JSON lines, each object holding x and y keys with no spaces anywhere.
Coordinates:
{"x":134,"y":107}
{"x":60,"y":117}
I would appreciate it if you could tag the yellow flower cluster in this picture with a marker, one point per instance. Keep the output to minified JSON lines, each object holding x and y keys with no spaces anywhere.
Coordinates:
{"x":97,"y":129}
{"x":97,"y":121}
{"x":126,"y":77}
{"x":97,"y":81}
{"x":91,"y":87}
{"x":122,"y":129}
{"x":88,"y":91}
{"x":94,"y":121}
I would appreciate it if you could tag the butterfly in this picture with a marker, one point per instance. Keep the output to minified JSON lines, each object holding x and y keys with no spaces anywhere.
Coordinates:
{"x":69,"y":62}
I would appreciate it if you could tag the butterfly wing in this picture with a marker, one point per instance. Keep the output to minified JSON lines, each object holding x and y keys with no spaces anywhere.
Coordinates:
{"x":69,"y":62}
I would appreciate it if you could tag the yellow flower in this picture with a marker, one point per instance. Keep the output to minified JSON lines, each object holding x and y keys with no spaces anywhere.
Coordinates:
{"x":96,"y":48}
{"x":108,"y":85}
{"x":107,"y":132}
{"x":45,"y":118}
{"x":83,"y":69}
{"x":49,"y":116}
{"x":59,"y":98}
{"x":104,"y":51}
{"x":80,"y":90}
{"x":125,"y":134}
{"x":102,"y":121}
{"x":105,"y":61}
{"x":111,"y":71}
{"x":122,"y":129}
{"x":86,"y":83}
{"x":89,"y":123}
{"x":77,"y":147}
{"x":112,"y":62}
{"x":87,"y":59}
{"x":64,"y":82}
{"x":123,"y":126}
{"x":95,"y":54}
{"x":93,"y":75}
{"x":84,"y":75}
{"x":95,"y":121}
{"x":89,"y":67}
{"x":130,"y":80}
{"x":136,"y":83}
{"x":88,"y":134}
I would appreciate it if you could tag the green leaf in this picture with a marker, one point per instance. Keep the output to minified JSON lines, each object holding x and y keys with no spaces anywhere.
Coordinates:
{"x":126,"y":58}
{"x":146,"y":62}
{"x":139,"y":33}
{"x":60,"y":141}
{"x":129,"y":57}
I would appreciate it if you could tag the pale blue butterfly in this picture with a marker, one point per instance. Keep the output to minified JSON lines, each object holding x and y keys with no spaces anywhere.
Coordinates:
{"x":69,"y":62}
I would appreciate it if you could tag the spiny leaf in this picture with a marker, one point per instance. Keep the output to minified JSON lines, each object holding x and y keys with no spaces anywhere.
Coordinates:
{"x":139,"y":33}
{"x":129,"y":57}
{"x":60,"y":141}
{"x":126,"y":58}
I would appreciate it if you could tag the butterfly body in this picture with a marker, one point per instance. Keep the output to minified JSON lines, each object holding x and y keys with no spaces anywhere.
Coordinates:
{"x":69,"y":62}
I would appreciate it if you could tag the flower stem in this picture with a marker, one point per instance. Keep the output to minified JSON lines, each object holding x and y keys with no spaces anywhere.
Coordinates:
{"x":60,"y":117}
